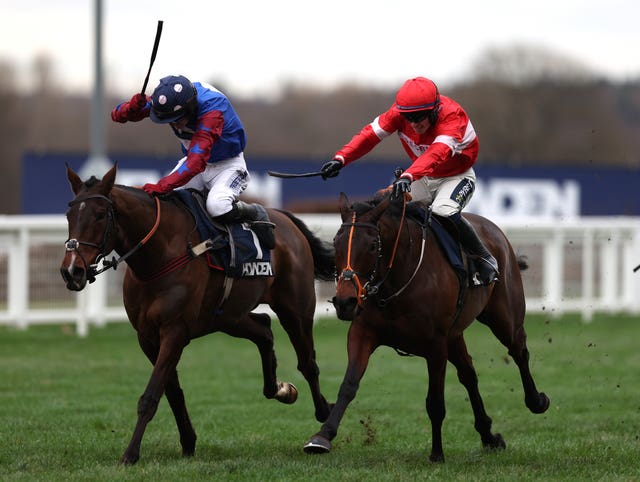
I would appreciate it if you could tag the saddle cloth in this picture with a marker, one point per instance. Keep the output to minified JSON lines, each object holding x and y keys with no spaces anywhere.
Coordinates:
{"x":442,"y":229}
{"x":232,"y":248}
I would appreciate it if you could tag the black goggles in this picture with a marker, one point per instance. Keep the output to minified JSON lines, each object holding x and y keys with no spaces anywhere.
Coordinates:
{"x":417,"y":116}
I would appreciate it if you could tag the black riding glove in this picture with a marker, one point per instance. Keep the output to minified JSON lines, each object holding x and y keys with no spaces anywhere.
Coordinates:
{"x":400,"y":186}
{"x":331,"y":169}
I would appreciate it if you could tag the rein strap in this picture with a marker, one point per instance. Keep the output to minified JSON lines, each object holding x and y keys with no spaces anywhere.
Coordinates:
{"x":113,"y":262}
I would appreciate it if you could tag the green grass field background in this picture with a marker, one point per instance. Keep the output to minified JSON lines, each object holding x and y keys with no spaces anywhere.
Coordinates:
{"x":68,"y":409}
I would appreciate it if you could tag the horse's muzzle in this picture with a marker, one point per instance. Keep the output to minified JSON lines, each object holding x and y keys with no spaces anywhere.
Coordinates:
{"x":75,"y":277}
{"x":346,"y":308}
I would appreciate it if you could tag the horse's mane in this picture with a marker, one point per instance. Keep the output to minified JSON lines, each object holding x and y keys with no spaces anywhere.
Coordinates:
{"x":131,"y":189}
{"x":92,"y":181}
{"x":413,"y":210}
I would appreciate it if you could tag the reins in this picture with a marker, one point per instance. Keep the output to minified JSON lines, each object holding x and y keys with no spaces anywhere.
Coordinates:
{"x":94,"y":269}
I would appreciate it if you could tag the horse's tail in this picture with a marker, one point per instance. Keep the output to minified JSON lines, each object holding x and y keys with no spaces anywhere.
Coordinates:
{"x":323,"y":252}
{"x":522,"y":262}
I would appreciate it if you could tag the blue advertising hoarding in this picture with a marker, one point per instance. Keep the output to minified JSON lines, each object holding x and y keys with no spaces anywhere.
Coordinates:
{"x":527,"y":191}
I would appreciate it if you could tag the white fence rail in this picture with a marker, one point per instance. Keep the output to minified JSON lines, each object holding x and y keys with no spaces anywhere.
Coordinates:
{"x":581,"y":265}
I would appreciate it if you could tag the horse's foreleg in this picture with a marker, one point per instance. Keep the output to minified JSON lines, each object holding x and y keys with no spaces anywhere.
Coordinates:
{"x":436,"y":365}
{"x":459,"y":356}
{"x":360,"y":344}
{"x":172,"y":342}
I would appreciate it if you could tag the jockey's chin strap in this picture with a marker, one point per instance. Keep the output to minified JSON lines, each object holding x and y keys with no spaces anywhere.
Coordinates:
{"x":95,"y":269}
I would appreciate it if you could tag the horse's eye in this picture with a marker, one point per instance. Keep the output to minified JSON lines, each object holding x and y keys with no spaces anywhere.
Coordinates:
{"x":100,"y":215}
{"x":373,"y":247}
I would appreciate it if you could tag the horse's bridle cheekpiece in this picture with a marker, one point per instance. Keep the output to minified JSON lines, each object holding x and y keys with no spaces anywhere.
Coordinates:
{"x":95,"y":269}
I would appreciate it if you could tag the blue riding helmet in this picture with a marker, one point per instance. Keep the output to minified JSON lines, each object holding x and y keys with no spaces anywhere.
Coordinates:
{"x":173,"y":98}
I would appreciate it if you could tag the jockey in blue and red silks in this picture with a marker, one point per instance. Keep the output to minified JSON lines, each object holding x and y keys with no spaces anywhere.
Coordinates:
{"x":212,"y":138}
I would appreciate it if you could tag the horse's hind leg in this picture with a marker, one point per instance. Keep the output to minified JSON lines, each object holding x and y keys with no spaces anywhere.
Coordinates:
{"x":514,"y":337}
{"x":459,"y":356}
{"x":537,"y":402}
{"x":256,"y":327}
{"x":299,"y":328}
{"x":175,"y":397}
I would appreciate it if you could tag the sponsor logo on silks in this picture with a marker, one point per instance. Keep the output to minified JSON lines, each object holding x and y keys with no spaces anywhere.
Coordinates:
{"x":257,"y":268}
{"x":463,"y":191}
{"x":236,"y":180}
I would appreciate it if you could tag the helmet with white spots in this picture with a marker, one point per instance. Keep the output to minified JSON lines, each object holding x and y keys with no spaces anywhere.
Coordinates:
{"x":174,"y":97}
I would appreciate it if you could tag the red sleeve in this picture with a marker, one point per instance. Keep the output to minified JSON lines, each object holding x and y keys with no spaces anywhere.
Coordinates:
{"x":125,"y":112}
{"x":429,"y":161}
{"x":207,"y":133}
{"x":369,"y":137}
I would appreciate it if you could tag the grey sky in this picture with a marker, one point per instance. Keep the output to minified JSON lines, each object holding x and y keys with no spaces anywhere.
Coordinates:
{"x":255,"y":45}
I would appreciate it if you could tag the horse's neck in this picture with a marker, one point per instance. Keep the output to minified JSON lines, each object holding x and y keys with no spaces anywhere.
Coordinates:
{"x":415,"y":239}
{"x":137,"y":216}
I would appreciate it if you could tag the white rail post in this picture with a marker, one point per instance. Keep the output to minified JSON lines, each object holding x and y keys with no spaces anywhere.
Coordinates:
{"x":18,"y":278}
{"x":553,"y":275}
{"x":587,"y":275}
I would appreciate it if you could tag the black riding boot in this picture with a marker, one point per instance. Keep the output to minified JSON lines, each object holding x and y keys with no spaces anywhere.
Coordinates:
{"x":488,"y":266}
{"x":257,"y":219}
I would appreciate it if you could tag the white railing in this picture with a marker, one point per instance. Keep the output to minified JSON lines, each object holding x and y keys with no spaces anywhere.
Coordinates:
{"x":582,"y":265}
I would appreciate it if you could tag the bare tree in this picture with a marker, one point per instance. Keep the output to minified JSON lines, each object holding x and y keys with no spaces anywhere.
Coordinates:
{"x":522,"y":64}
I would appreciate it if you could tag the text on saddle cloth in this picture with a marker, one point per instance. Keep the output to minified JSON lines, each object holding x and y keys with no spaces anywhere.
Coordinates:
{"x":234,"y":249}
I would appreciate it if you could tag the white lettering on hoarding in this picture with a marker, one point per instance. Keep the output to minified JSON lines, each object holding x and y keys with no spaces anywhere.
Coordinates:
{"x":526,"y":198}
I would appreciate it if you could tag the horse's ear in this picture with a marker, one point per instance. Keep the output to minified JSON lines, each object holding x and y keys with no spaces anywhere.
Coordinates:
{"x":109,"y":179}
{"x":74,"y":180}
{"x":343,"y":203}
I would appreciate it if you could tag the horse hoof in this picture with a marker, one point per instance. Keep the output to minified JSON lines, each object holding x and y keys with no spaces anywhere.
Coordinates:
{"x":436,"y":458}
{"x":128,"y":459}
{"x":287,"y":393}
{"x":496,"y":442}
{"x":541,"y":405}
{"x":317,"y":445}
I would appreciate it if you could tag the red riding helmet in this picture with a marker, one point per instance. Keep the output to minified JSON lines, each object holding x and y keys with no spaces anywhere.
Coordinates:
{"x":417,"y":94}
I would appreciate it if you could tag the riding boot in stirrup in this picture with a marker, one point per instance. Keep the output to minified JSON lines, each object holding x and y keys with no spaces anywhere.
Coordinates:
{"x":488,"y":266}
{"x":257,"y":219}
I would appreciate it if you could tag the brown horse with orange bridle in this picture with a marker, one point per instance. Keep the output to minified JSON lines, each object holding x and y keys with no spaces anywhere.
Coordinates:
{"x":398,"y":289}
{"x":172,"y":296}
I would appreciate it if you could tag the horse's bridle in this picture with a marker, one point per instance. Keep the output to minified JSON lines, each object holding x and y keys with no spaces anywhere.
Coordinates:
{"x":349,"y":274}
{"x":73,"y":244}
{"x":370,"y":288}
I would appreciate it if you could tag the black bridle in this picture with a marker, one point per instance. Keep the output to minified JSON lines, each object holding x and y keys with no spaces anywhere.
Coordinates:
{"x":73,"y":244}
{"x":95,"y":269}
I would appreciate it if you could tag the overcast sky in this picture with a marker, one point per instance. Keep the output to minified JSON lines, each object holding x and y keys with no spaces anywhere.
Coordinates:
{"x":255,"y":45}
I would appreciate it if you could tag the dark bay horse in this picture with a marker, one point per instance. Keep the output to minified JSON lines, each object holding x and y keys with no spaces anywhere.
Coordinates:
{"x":171,"y":297}
{"x":398,"y":289}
